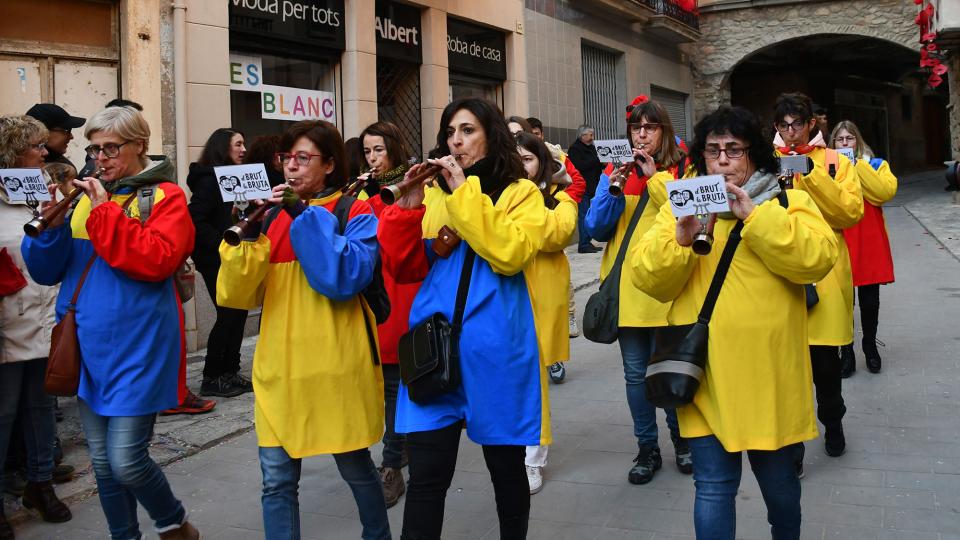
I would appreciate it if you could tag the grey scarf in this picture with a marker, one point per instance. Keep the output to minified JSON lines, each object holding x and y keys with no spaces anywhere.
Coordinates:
{"x":761,"y":187}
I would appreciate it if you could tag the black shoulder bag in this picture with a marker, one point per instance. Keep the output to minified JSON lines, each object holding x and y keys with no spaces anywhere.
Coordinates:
{"x":430,"y":352}
{"x":680,"y":355}
{"x":601,"y":316}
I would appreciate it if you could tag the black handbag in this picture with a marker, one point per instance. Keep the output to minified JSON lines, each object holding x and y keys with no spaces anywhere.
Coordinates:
{"x":680,"y":353}
{"x":430,"y":352}
{"x":601,"y":316}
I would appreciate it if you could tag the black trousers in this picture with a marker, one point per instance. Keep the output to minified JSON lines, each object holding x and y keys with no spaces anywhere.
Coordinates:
{"x":223,"y":344}
{"x":433,"y":457}
{"x":869,"y":298}
{"x":827,"y":380}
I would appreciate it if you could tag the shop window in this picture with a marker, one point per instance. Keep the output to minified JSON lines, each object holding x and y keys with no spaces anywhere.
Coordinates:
{"x":245,"y":106}
{"x":676,"y":105}
{"x":600,"y":107}
{"x":462,"y":86}
{"x":398,"y":99}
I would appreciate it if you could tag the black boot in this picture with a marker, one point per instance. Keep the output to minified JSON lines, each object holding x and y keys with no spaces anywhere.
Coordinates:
{"x":834,"y":443}
{"x":869,"y":296}
{"x":647,"y":462}
{"x":848,"y":361}
{"x":683,"y":456}
{"x":6,"y":531}
{"x":871,"y":353}
{"x":40,"y":496}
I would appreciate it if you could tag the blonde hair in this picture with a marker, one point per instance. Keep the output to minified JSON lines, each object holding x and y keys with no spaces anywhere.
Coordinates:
{"x":125,"y":122}
{"x":861,"y":149}
{"x":16,"y":134}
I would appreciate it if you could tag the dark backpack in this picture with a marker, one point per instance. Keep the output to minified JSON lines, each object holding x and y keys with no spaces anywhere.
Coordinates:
{"x":376,"y":292}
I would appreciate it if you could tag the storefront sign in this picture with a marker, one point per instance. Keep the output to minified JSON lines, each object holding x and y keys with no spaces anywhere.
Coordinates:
{"x":246,"y":72}
{"x":23,"y":185}
{"x":476,"y":50}
{"x":398,"y":31}
{"x":317,"y":23}
{"x":286,"y":103}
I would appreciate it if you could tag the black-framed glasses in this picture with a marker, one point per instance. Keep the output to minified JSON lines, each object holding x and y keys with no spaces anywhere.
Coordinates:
{"x":111,"y":150}
{"x":649,"y":127}
{"x":848,"y":138}
{"x":733,"y":152}
{"x":302,"y":158}
{"x":796,"y":125}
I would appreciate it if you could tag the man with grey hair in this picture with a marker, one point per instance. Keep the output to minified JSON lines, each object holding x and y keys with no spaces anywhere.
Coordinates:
{"x":583,"y":154}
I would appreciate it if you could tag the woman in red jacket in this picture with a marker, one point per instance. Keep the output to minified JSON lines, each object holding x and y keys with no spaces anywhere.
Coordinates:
{"x":387,"y":157}
{"x":870,"y":255}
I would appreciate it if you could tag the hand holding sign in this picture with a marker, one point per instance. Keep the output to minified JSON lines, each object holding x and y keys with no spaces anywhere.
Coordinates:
{"x":701,"y":195}
{"x":242,"y":183}
{"x":25,"y":185}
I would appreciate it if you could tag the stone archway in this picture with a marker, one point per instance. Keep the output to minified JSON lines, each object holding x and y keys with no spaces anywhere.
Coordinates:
{"x":730,"y":36}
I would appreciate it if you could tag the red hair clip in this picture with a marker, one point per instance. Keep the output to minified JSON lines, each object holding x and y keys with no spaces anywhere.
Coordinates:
{"x":637,"y":101}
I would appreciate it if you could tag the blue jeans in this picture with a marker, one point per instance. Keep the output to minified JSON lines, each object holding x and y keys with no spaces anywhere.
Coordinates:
{"x":281,"y":481}
{"x":126,"y":474}
{"x":636,"y":347}
{"x":22,"y":396}
{"x":585,"y":240}
{"x":716,"y":475}
{"x":393,"y":442}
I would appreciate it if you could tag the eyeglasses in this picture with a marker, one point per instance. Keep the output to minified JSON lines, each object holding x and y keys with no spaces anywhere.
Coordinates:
{"x":734,"y":152}
{"x":796,"y":125}
{"x":38,"y":146}
{"x":303,"y":158}
{"x":648,"y":127}
{"x":848,"y":138}
{"x":110,"y":150}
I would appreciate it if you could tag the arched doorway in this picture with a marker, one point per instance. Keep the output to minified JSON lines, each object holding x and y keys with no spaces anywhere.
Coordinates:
{"x":872,"y":81}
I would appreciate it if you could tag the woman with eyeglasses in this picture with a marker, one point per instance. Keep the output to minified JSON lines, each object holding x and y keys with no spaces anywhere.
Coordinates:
{"x":659,"y":158}
{"x":870,"y":257}
{"x":317,"y":381}
{"x":834,"y":185}
{"x":754,"y":395}
{"x":26,"y":319}
{"x":129,"y":319}
{"x":211,"y":216}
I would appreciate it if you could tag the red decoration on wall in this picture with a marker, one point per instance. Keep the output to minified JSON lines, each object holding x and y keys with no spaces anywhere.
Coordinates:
{"x":931,"y":57}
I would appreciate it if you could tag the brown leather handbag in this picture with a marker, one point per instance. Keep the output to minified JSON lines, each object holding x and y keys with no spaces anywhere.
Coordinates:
{"x":63,"y":365}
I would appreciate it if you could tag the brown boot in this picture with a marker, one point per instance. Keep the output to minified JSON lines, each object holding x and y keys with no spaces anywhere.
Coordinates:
{"x":393,"y":486}
{"x":40,"y":496}
{"x":183,"y":532}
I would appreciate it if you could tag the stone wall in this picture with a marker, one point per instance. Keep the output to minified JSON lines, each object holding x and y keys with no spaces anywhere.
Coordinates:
{"x":731,"y":35}
{"x":953,"y":64}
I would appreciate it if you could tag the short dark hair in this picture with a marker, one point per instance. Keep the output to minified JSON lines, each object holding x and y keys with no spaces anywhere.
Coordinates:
{"x":397,"y":149}
{"x":216,"y":151}
{"x":793,"y":104}
{"x":501,"y":146}
{"x":531,"y":143}
{"x":263,"y":150}
{"x":355,"y":160}
{"x":739,"y":123}
{"x":524,"y":125}
{"x":119,"y":102}
{"x":535,"y":123}
{"x":327,"y":139}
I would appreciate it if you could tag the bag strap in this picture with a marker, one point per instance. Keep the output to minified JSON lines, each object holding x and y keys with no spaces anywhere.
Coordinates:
{"x":720,"y":274}
{"x":628,"y":234}
{"x":86,"y":269}
{"x":463,"y":288}
{"x":145,"y":200}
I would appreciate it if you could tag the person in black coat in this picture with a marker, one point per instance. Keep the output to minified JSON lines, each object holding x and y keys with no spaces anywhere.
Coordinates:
{"x":211,"y":216}
{"x":583,"y":154}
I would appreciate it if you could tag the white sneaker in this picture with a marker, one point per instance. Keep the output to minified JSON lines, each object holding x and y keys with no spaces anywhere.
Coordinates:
{"x":574,"y":329}
{"x":535,"y":479}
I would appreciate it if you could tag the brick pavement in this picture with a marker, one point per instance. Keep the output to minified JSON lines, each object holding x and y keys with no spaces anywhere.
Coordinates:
{"x":899,"y":479}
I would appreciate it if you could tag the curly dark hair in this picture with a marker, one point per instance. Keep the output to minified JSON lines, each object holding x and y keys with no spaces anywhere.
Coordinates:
{"x":501,"y":146}
{"x":740,"y":123}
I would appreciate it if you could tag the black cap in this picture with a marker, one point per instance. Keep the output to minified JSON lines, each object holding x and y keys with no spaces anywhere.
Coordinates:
{"x":53,"y":116}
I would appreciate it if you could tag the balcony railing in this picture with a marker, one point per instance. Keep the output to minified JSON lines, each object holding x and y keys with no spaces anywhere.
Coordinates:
{"x":673,"y":11}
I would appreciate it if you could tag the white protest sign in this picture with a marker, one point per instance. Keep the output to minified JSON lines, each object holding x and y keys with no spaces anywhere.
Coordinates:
{"x":23,"y":185}
{"x":611,"y":150}
{"x":286,"y":103}
{"x":246,"y":72}
{"x":700,"y":195}
{"x":847,"y":152}
{"x":243,"y":182}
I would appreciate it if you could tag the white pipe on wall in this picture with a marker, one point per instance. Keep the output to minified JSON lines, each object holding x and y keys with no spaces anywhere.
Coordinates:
{"x":180,"y":86}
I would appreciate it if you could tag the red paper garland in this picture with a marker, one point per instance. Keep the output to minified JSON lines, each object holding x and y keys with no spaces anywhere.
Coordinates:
{"x":930,"y":54}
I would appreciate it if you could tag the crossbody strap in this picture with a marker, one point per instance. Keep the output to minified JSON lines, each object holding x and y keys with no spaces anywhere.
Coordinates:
{"x":627,"y":235}
{"x":463,"y":288}
{"x":720,"y":273}
{"x":86,"y":269}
